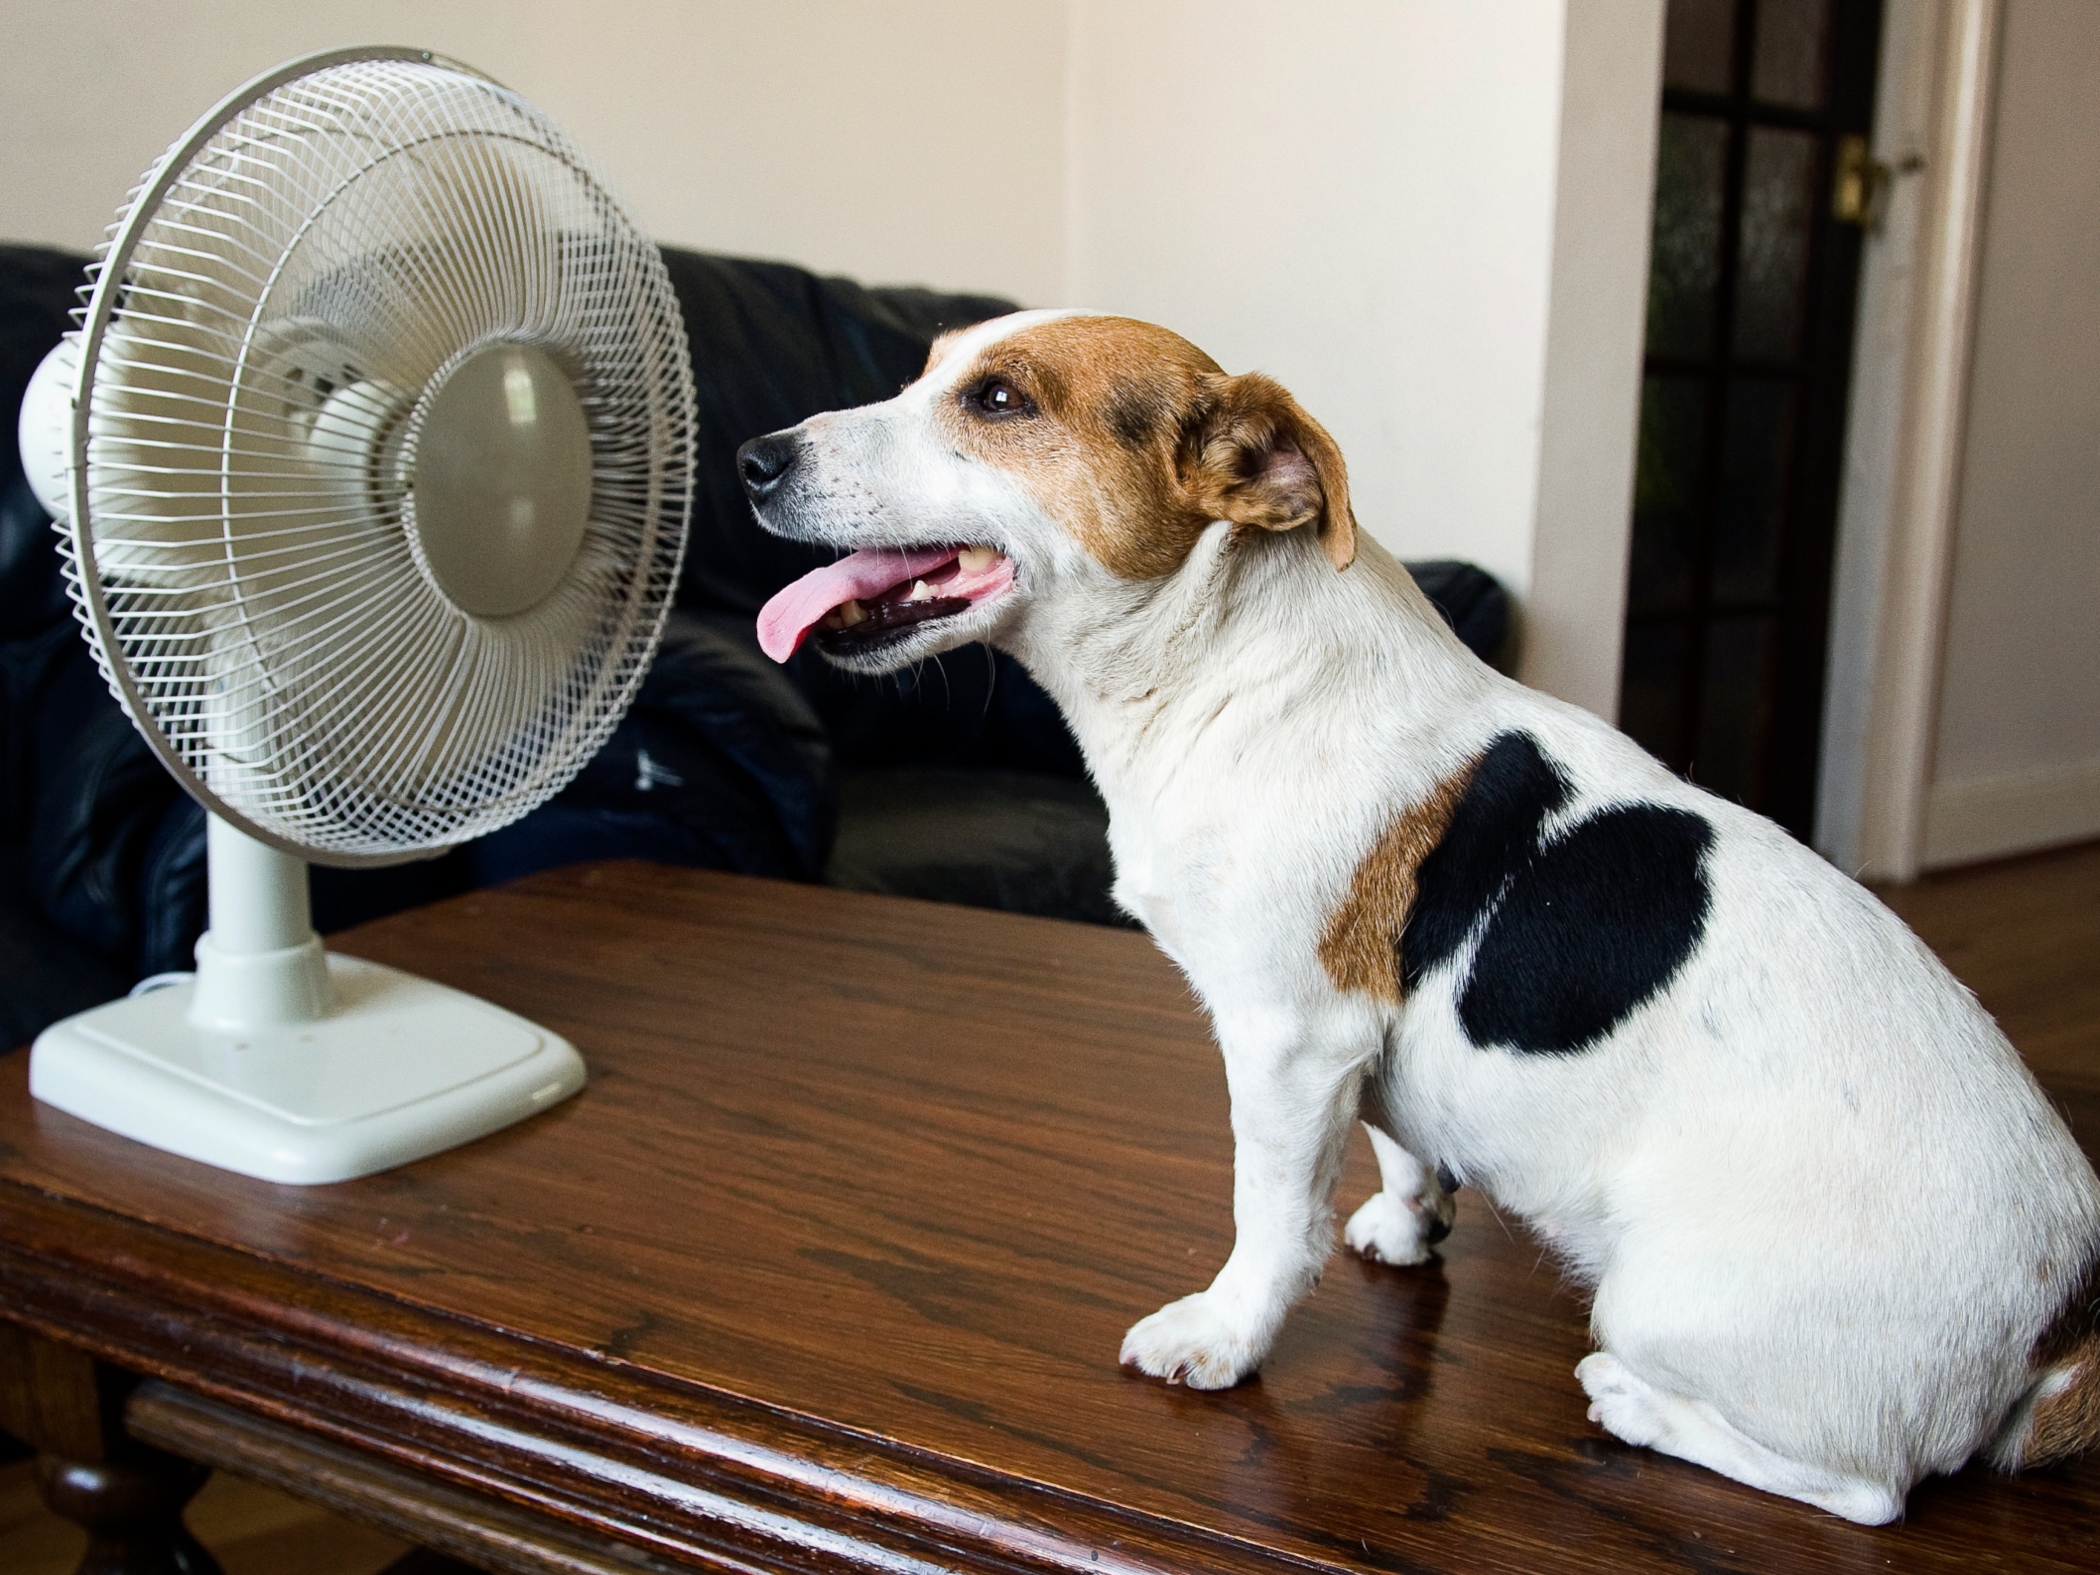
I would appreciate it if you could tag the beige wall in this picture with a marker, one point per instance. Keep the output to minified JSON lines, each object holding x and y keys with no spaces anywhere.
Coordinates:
{"x":1397,"y":208}
{"x":1302,"y":193}
{"x":1596,"y":322}
{"x":1392,"y":205}
{"x":919,"y":141}
{"x":2016,"y":761}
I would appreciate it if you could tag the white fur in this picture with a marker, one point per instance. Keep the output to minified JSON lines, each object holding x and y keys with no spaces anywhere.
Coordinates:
{"x":1824,"y":1207}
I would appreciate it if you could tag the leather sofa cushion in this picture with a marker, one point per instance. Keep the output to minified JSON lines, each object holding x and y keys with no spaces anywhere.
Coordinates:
{"x":1022,"y":841}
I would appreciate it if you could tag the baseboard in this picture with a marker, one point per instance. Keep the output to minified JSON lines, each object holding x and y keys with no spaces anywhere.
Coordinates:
{"x":1991,"y":817}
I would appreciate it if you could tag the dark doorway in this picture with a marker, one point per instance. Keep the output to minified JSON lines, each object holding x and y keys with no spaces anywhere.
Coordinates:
{"x":1752,"y":284}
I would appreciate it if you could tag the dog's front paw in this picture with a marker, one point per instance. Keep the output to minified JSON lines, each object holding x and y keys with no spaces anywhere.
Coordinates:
{"x":1396,"y":1230}
{"x":1195,"y":1341}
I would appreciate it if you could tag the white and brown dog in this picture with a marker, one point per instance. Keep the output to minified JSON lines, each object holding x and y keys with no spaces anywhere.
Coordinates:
{"x":1838,"y":1238}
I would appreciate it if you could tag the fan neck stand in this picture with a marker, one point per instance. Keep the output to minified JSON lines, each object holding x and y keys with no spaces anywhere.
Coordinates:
{"x":285,"y":1061}
{"x":260,"y":962}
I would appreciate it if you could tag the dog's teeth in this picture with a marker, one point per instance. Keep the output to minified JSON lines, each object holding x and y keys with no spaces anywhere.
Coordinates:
{"x":851,"y":613}
{"x":920,"y":592}
{"x":976,"y":559}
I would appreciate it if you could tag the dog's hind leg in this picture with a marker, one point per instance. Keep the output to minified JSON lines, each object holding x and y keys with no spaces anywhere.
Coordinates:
{"x":1629,"y":1407}
{"x":1409,"y":1214}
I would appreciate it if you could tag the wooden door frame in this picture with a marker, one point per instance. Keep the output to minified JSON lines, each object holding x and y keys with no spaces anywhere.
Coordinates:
{"x":1904,"y":435}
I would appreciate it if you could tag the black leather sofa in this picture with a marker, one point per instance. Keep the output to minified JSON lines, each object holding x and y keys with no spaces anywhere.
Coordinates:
{"x":956,"y":782}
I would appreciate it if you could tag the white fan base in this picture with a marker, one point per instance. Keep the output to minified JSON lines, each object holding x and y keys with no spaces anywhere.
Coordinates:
{"x":400,"y":1068}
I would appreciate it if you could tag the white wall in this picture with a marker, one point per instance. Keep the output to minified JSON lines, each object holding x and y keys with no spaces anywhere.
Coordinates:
{"x":1391,"y":205}
{"x":2017,"y":757}
{"x":1596,"y":322}
{"x":1357,"y":198}
{"x":1367,"y":199}
{"x":919,"y":142}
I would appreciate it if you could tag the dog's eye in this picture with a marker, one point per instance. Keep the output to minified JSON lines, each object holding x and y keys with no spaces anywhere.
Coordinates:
{"x":997,"y":397}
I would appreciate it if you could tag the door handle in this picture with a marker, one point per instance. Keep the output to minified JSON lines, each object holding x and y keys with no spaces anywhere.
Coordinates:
{"x":1859,"y":189}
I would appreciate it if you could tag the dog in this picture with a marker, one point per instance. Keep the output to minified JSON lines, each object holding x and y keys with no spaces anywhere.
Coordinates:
{"x":1837,"y":1238}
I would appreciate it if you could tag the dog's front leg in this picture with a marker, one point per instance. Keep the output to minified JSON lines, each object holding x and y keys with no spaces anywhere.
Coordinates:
{"x":1293,"y":1100}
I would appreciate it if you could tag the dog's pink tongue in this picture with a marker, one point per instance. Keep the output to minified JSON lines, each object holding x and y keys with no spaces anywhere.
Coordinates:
{"x":785,"y":621}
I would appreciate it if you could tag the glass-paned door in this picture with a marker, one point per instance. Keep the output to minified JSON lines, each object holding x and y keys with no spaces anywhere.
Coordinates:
{"x":1752,"y":283}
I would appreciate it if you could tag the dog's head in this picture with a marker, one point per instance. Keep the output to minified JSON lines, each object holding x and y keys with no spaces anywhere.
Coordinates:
{"x":1035,"y":449}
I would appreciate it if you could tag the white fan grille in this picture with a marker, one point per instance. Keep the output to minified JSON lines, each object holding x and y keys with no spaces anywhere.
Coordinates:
{"x":264,"y":615}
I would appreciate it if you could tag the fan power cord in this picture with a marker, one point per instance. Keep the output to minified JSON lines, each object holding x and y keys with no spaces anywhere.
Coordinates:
{"x":160,"y":981}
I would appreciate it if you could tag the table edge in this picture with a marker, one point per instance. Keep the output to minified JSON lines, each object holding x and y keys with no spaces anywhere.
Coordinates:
{"x":679,"y":1466}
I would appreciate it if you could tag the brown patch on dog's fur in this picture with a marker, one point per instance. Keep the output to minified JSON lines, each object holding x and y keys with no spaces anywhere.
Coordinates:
{"x":1136,"y":441}
{"x":1360,"y":946}
{"x":2068,"y":1422}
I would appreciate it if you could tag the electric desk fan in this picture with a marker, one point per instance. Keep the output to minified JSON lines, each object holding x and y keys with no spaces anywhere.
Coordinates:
{"x":372,"y":454}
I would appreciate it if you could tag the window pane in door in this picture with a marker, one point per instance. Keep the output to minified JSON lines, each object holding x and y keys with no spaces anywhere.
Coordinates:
{"x":1734,"y":707}
{"x":1699,"y":45}
{"x":1786,"y":66}
{"x":1685,"y":256}
{"x":1757,"y":448}
{"x":1666,"y":493}
{"x":1779,"y":209}
{"x":1751,"y":310}
{"x":1651,"y":689}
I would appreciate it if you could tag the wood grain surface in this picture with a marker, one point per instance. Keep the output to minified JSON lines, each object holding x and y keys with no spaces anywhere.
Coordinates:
{"x":2024,"y":934}
{"x":828,"y":1266}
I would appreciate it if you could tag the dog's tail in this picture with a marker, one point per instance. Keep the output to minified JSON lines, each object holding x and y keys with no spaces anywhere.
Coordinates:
{"x":2059,"y":1415}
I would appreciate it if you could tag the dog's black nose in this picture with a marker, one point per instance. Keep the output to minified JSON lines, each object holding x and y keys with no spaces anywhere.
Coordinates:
{"x":764,"y":462}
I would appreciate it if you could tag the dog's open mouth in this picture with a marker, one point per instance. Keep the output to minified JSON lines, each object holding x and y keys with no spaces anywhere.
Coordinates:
{"x":878,"y":594}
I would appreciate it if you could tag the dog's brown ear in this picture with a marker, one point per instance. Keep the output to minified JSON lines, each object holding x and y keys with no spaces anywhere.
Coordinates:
{"x":1254,"y":457}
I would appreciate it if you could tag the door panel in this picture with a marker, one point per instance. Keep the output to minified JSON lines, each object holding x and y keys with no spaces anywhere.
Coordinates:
{"x":1750,"y":307}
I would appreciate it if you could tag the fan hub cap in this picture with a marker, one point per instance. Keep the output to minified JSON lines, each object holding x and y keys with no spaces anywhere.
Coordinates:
{"x":502,"y":480}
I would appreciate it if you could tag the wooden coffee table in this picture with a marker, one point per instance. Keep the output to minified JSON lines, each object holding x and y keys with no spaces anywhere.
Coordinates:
{"x":827,"y":1270}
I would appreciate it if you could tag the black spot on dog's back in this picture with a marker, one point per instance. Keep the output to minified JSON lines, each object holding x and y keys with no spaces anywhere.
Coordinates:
{"x":1493,"y":833}
{"x":1594,"y":925}
{"x":1580,"y":930}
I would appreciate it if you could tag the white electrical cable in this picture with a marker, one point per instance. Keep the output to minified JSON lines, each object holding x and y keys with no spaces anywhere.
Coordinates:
{"x":161,"y":981}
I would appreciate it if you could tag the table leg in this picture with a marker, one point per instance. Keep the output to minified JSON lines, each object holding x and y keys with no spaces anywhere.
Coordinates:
{"x":131,"y":1508}
{"x":127,"y":1496}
